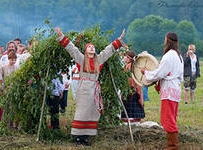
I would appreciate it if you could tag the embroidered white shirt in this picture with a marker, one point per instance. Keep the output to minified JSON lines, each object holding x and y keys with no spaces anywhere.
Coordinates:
{"x":170,"y":74}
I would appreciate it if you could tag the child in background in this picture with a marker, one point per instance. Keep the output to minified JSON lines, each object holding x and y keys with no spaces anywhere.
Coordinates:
{"x":53,"y":102}
{"x":5,"y":71}
{"x":145,"y":93}
{"x":75,"y":79}
{"x":63,"y":101}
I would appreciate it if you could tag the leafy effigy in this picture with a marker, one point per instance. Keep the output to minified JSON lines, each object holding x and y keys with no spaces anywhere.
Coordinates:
{"x":26,"y":87}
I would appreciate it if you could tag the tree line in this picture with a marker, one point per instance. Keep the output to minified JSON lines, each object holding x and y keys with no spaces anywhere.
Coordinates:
{"x":19,"y":18}
{"x":148,"y":34}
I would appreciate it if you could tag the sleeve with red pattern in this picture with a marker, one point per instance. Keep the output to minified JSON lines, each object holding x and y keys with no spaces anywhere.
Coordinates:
{"x":64,"y":42}
{"x":116,"y":44}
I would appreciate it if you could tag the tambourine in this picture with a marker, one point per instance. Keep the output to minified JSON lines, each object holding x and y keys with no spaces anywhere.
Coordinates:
{"x":143,"y":60}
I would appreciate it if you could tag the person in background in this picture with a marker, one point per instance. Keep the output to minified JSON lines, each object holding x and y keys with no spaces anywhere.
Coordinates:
{"x":75,"y":79}
{"x":11,"y":46}
{"x":170,"y":79}
{"x":145,"y":93}
{"x":134,"y":104}
{"x":1,"y":53}
{"x":19,"y":52}
{"x":53,"y":101}
{"x":64,"y":100}
{"x":5,"y":71}
{"x":32,"y":44}
{"x":1,"y":50}
{"x":17,"y":41}
{"x":20,"y":49}
{"x":24,"y":56}
{"x":88,"y":99}
{"x":191,"y":73}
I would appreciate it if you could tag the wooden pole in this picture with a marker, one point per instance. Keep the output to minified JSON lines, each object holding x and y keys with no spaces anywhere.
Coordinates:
{"x":114,"y":85}
{"x":43,"y":103}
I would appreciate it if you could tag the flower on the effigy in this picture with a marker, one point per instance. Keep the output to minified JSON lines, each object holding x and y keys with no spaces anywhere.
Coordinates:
{"x":30,"y":82}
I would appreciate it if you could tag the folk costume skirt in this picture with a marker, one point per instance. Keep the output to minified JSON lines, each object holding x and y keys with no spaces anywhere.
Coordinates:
{"x":86,"y":115}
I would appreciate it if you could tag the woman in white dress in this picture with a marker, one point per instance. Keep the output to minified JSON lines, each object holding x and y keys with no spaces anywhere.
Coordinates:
{"x":88,"y":97}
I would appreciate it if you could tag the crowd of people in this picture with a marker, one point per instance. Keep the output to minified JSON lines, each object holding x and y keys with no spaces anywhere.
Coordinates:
{"x":86,"y":88}
{"x":11,"y":59}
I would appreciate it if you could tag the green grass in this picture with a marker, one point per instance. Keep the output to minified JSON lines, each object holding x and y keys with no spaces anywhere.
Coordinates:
{"x":190,"y":121}
{"x":190,"y":115}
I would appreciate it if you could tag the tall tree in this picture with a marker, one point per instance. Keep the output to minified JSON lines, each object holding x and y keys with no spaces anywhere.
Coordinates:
{"x":148,"y":33}
{"x":187,"y":33}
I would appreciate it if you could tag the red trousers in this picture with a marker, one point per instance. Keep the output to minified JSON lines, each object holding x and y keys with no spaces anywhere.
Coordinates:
{"x":169,"y":112}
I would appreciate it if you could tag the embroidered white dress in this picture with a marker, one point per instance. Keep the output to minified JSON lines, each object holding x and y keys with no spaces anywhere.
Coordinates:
{"x":86,"y":114}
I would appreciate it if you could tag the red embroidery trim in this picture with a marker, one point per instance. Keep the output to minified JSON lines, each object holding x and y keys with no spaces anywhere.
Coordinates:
{"x":78,"y":66}
{"x":116,"y":44}
{"x":85,"y":124}
{"x":169,"y":74}
{"x":75,"y":78}
{"x":64,"y":41}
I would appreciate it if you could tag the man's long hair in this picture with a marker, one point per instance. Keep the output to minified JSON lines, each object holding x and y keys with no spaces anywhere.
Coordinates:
{"x":171,"y":42}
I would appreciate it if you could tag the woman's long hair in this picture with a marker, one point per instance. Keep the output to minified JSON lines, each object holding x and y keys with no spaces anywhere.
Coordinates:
{"x":130,"y":54}
{"x":87,"y":64}
{"x":171,"y":42}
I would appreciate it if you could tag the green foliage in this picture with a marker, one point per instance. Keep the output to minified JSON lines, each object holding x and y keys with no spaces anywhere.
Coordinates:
{"x":187,"y":33}
{"x":110,"y":98}
{"x":78,"y":14}
{"x":199,"y":45}
{"x":148,"y":33}
{"x":3,"y":130}
{"x":26,"y":87}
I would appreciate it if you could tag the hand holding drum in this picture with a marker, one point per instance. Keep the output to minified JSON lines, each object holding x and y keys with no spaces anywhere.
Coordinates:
{"x":144,"y":61}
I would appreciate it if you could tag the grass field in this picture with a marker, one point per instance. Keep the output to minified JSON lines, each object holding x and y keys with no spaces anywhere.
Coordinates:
{"x":190,"y":115}
{"x":190,"y":123}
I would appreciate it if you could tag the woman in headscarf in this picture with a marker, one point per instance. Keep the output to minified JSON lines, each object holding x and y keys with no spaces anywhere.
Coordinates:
{"x":134,"y":104}
{"x":88,"y":96}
